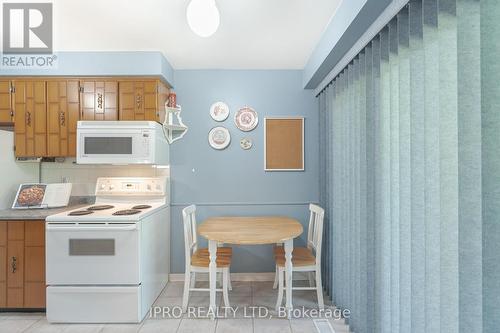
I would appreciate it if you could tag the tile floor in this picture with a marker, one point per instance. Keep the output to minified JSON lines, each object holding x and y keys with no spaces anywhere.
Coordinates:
{"x":254,"y":296}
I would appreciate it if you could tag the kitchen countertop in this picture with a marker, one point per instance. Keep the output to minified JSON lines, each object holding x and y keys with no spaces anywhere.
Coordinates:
{"x":41,"y":214}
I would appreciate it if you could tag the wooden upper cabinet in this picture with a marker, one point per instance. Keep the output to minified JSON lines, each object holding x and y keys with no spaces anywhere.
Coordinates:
{"x":99,"y":100}
{"x":6,"y":112}
{"x":30,"y":117}
{"x":63,"y":111}
{"x":141,"y":100}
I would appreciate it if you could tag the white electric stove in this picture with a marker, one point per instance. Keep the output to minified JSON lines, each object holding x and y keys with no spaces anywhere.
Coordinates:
{"x":108,"y":262}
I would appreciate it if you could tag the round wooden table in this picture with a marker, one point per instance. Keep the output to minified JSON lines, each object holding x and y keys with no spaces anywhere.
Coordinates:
{"x":251,"y":231}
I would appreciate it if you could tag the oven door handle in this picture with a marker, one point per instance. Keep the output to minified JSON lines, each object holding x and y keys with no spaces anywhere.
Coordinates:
{"x":79,"y":228}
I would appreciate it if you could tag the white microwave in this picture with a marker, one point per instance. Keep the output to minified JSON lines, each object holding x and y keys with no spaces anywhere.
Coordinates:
{"x":121,"y":142}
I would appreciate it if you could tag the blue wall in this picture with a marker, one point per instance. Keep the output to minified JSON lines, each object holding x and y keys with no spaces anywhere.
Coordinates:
{"x":233,"y":181}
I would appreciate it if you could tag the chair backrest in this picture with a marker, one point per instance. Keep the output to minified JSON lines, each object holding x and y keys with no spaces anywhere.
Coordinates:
{"x":315,"y":230}
{"x":190,"y":237}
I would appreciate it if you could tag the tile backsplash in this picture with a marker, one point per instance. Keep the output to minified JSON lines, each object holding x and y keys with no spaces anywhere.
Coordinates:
{"x":84,"y":177}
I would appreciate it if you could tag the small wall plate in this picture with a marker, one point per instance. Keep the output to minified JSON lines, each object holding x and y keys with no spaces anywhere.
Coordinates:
{"x":219,"y":137}
{"x":246,"y":143}
{"x":219,"y":111}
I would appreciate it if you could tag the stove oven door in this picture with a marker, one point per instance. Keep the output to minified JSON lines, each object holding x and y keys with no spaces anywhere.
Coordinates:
{"x":92,"y":253}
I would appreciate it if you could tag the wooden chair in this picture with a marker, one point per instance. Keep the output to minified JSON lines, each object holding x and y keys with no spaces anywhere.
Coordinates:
{"x":278,"y":249}
{"x":197,"y":259}
{"x":305,"y":259}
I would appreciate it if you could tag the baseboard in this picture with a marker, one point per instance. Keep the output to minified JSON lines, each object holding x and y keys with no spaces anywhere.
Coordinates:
{"x":244,"y":277}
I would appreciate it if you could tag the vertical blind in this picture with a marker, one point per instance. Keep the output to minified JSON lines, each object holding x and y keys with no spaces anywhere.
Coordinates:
{"x":403,"y":173}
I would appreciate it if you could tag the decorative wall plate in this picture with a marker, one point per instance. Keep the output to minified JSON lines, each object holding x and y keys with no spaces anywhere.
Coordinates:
{"x":246,"y":119}
{"x":246,"y":143}
{"x":219,"y":137}
{"x":219,"y":111}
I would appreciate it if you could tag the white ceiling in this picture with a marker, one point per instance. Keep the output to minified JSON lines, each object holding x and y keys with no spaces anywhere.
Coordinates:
{"x":253,"y":34}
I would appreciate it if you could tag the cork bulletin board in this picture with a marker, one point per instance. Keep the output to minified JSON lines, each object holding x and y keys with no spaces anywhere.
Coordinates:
{"x":284,"y":144}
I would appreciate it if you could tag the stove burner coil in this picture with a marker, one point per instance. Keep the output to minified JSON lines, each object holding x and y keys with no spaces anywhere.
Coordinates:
{"x":100,"y":207}
{"x":127,"y":212}
{"x":141,"y":207}
{"x":80,"y":212}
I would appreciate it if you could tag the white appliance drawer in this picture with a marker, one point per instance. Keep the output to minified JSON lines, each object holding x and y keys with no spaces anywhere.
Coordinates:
{"x":89,"y":304}
{"x":93,"y":254}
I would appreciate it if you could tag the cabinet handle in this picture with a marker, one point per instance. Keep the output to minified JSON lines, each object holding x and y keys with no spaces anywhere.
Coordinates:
{"x":99,"y":101}
{"x":28,"y":118}
{"x":138,"y":101}
{"x":13,"y":264}
{"x":62,"y":118}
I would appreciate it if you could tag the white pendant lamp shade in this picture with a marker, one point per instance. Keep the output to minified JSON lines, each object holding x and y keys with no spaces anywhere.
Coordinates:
{"x":203,"y":17}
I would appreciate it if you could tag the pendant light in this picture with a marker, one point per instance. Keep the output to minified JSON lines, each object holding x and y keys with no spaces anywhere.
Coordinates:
{"x":203,"y":17}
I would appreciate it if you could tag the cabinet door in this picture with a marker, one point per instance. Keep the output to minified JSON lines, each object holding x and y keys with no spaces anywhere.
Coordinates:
{"x":6,"y":113}
{"x":63,"y":109}
{"x":99,"y":100}
{"x":30,"y":122}
{"x":34,"y":271}
{"x":138,"y":100}
{"x":3,"y":264}
{"x":15,"y":264}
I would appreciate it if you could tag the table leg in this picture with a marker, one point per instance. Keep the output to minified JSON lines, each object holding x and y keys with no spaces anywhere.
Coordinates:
{"x":212,"y":269}
{"x":288,"y":275}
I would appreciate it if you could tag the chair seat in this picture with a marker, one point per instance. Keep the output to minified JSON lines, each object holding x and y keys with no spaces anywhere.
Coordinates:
{"x":200,"y":260}
{"x":221,"y":251}
{"x":297,"y":252}
{"x":297,"y":261}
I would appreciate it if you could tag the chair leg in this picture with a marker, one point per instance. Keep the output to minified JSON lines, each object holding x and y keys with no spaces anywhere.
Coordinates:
{"x":193,"y":280}
{"x":275,"y":285}
{"x":229,"y":284}
{"x":311,"y":280}
{"x":319,"y":289}
{"x":220,"y":279}
{"x":185,"y":297}
{"x":281,"y":281}
{"x":225,"y":281}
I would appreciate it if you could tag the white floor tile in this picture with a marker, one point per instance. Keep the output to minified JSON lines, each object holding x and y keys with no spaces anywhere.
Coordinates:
{"x":197,"y":326}
{"x":22,"y":315}
{"x":16,"y":325}
{"x":120,"y":328}
{"x":263,"y":289}
{"x":234,"y":326}
{"x":82,"y":328}
{"x":42,"y":326}
{"x":241,"y":288}
{"x":271,"y":326}
{"x":302,"y":326}
{"x":173,"y":289}
{"x":160,"y":326}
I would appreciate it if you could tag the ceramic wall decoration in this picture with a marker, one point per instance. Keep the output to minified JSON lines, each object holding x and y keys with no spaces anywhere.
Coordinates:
{"x":246,"y":119}
{"x":246,"y":143}
{"x":219,"y":137}
{"x":219,"y":111}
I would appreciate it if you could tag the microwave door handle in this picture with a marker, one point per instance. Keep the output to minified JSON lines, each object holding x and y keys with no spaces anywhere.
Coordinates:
{"x":66,"y":228}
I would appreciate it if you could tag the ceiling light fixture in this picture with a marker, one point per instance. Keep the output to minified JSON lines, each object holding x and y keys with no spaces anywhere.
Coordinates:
{"x":203,"y":17}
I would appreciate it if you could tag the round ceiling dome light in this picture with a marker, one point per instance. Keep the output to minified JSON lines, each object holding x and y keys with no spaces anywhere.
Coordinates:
{"x":203,"y":17}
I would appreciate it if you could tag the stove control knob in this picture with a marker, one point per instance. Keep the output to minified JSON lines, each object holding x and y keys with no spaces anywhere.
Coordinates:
{"x":103,"y":186}
{"x":148,"y":187}
{"x":111,"y":187}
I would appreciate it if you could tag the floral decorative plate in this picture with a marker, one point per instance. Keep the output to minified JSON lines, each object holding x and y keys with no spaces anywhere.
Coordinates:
{"x":246,"y":143}
{"x":246,"y":119}
{"x":219,"y":137}
{"x":219,"y":111}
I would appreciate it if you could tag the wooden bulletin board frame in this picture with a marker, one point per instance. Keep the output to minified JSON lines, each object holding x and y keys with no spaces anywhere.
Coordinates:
{"x":284,"y":144}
